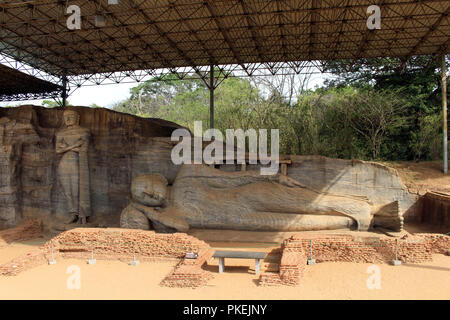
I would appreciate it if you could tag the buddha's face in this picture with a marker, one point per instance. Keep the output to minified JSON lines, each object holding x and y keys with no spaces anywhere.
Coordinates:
{"x":71,"y":119}
{"x":150,"y":190}
{"x":25,"y":116}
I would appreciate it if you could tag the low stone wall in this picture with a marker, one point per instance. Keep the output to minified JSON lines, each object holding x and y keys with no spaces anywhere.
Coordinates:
{"x":292,"y":266}
{"x":348,"y":248}
{"x":29,"y":229}
{"x":25,"y":262}
{"x":436,"y":243}
{"x":123,"y":244}
{"x":189,"y":272}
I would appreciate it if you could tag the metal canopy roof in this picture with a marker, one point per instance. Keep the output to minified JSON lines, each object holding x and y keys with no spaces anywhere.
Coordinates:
{"x":15,"y":85}
{"x":150,"y":35}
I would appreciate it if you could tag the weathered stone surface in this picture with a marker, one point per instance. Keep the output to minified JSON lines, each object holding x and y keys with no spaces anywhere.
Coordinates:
{"x":203,"y":197}
{"x":380,"y":184}
{"x":114,"y":244}
{"x":134,"y":219}
{"x":436,"y":210}
{"x":72,"y":142}
{"x":121,"y":147}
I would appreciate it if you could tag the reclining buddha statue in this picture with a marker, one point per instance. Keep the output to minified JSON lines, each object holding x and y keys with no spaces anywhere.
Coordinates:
{"x":208,"y":198}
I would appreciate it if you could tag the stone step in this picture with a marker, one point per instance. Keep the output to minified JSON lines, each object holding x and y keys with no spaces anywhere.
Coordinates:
{"x":270,"y":258}
{"x":271,"y":267}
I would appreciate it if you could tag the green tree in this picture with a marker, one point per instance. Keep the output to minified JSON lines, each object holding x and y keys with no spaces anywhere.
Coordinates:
{"x":53,"y":103}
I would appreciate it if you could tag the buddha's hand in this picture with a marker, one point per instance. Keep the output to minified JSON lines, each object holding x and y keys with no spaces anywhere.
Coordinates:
{"x":78,"y":146}
{"x":168,"y":216}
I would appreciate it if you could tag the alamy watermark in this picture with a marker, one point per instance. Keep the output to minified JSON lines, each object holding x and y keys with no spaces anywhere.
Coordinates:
{"x":74,"y":280}
{"x":74,"y":19}
{"x":186,"y":153}
{"x":374,"y":281}
{"x":374,"y":20}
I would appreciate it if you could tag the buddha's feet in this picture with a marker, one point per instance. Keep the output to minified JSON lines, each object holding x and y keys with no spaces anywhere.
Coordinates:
{"x":389,"y":217}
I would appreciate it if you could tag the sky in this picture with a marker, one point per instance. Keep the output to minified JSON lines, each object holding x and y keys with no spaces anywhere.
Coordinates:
{"x":107,"y":95}
{"x":103,"y":95}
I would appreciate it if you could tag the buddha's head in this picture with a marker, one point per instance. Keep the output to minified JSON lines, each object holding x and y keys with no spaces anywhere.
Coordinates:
{"x":71,"y":118}
{"x":150,"y":190}
{"x":26,"y":115}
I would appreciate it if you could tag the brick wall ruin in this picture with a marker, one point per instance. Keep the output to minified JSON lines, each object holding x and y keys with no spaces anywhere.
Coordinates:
{"x":125,"y":245}
{"x":189,"y":273}
{"x":348,"y":248}
{"x":29,"y":229}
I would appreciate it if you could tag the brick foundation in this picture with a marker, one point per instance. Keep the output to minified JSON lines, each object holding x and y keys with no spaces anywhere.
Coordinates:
{"x":348,"y":248}
{"x":28,"y":261}
{"x":123,"y":244}
{"x":436,"y":243}
{"x":292,"y":266}
{"x":188,"y":273}
{"x":29,"y":229}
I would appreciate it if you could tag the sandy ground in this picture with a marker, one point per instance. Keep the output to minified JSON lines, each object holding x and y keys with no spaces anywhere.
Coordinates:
{"x":422,"y":176}
{"x":117,"y":280}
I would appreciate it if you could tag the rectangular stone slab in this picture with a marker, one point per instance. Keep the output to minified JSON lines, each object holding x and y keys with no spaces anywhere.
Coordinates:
{"x":240,"y":254}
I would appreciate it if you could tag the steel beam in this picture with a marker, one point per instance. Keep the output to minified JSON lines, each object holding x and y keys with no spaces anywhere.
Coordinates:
{"x":444,"y":109}
{"x":64,"y":91}
{"x":211,"y":97}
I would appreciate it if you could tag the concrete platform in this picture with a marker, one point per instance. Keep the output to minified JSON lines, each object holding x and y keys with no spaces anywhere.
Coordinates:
{"x":264,"y":239}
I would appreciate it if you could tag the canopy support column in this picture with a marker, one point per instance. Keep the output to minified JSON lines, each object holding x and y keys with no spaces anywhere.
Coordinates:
{"x":444,"y":109}
{"x":211,"y":97}
{"x":64,"y":92}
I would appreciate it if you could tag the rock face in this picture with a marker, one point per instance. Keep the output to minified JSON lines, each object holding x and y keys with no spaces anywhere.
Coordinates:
{"x":72,"y":143}
{"x":121,"y":147}
{"x":379,"y":183}
{"x":133,"y":219}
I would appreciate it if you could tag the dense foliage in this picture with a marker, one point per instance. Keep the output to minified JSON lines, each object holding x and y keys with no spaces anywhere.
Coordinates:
{"x":381,"y":109}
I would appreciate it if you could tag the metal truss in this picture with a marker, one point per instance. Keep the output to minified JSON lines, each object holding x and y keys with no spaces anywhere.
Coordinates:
{"x":142,"y":40}
{"x":153,"y":35}
{"x":182,"y":73}
{"x":221,"y":72}
{"x":34,"y":71}
{"x":32,"y":96}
